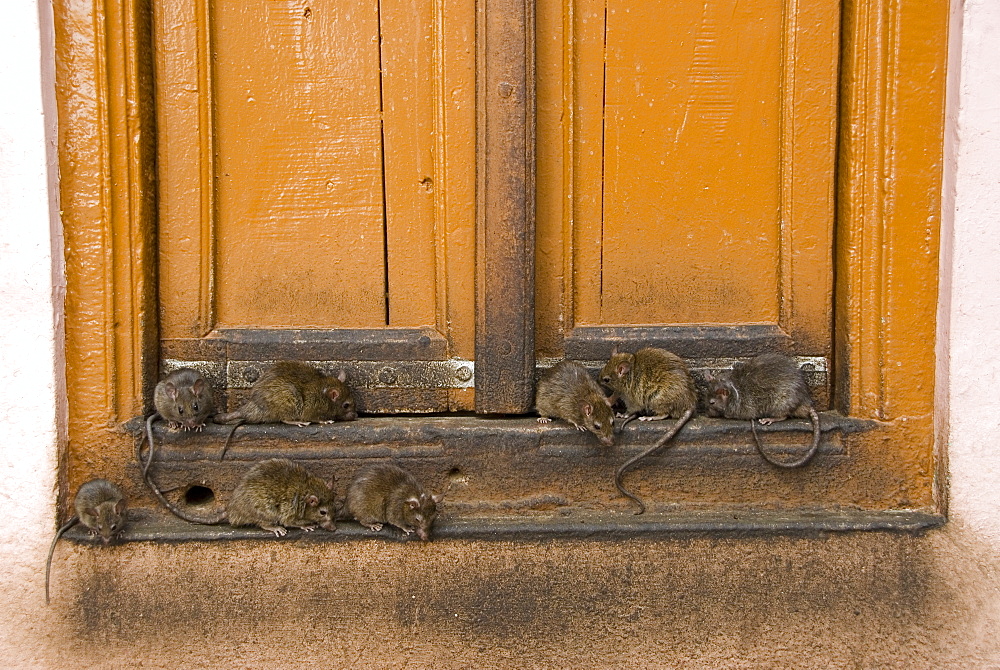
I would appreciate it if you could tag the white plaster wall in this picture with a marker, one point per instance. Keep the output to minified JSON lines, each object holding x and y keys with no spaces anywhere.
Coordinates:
{"x":28,"y":352}
{"x":970,"y":295}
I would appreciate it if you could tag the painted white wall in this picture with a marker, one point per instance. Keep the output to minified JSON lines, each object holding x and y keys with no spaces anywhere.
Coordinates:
{"x":30,"y":348}
{"x":970,"y":295}
{"x":28,"y":352}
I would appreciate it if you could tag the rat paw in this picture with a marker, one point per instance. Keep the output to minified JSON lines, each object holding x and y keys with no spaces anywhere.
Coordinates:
{"x":544,"y":419}
{"x":374,"y":526}
{"x":279,"y":531}
{"x":658,"y":417}
{"x":308,"y":529}
{"x":300,"y":424}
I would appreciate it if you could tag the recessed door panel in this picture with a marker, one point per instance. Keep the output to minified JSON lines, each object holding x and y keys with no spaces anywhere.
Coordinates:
{"x":692,"y":189}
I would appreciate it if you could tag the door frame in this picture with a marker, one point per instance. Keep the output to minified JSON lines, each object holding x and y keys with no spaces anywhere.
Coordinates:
{"x":890,"y":158}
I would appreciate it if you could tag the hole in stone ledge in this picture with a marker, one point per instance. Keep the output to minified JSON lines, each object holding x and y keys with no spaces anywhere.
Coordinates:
{"x":199,"y":495}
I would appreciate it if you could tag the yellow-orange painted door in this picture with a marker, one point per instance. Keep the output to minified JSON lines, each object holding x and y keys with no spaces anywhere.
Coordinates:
{"x":686,"y":176}
{"x":305,"y":151}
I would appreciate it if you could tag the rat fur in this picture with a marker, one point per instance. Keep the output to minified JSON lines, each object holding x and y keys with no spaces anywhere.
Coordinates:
{"x":653,"y":384}
{"x":275,"y":494}
{"x":768,"y":388}
{"x":386,"y":493}
{"x":567,"y":391}
{"x":184,"y":400}
{"x":100,"y":506}
{"x":295,"y":393}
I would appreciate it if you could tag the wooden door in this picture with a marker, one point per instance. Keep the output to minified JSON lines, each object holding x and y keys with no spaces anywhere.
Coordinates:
{"x":344,"y":183}
{"x":316,"y":173}
{"x":686,"y":172}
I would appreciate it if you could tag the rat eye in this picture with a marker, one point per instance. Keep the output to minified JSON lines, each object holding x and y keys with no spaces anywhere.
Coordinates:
{"x":180,"y":410}
{"x":347,"y":405}
{"x":597,"y":425}
{"x":194,"y":406}
{"x":606,"y":379}
{"x":114,"y":526}
{"x":323,"y":512}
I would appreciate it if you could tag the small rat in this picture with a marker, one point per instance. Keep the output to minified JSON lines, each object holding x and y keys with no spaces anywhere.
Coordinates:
{"x":100,"y":506}
{"x":295,"y":393}
{"x":567,"y":391}
{"x":184,"y":400}
{"x":656,"y":384}
{"x":768,"y":388}
{"x":274,"y":494}
{"x":386,"y":493}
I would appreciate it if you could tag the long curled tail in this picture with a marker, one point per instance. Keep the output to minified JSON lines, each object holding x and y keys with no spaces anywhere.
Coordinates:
{"x":659,"y":443}
{"x":813,"y":448}
{"x":145,"y":463}
{"x":52,"y":547}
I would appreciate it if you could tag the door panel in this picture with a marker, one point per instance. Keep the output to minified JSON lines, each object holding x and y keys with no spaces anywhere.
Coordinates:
{"x":304,"y":149}
{"x":692,"y":194}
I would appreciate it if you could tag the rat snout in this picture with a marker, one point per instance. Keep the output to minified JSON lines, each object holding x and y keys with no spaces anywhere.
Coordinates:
{"x":607,"y":441}
{"x":423,"y":534}
{"x":329,"y":525}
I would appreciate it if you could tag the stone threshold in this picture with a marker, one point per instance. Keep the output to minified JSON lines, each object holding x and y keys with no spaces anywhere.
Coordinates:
{"x":562,"y":525}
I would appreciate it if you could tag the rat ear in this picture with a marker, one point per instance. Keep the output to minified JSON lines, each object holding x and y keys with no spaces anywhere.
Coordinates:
{"x":342,"y":375}
{"x":332,"y":392}
{"x":413,"y":503}
{"x":312,"y":500}
{"x":623,"y":369}
{"x":198,"y":386}
{"x":329,"y":483}
{"x":608,"y":400}
{"x":723,"y":392}
{"x":120,"y":507}
{"x":437,"y":497}
{"x":614,"y":350}
{"x":587,"y":408}
{"x":171,"y":390}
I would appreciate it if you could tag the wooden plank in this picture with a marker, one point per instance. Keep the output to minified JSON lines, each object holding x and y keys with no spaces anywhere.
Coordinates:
{"x":505,"y":225}
{"x":408,"y":79}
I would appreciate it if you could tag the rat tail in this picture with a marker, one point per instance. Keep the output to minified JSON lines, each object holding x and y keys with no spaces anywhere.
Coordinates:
{"x":52,"y":548}
{"x":229,"y":437}
{"x":813,"y":448}
{"x":659,"y":443}
{"x":211,"y":521}
{"x":181,"y":514}
{"x":149,"y":438}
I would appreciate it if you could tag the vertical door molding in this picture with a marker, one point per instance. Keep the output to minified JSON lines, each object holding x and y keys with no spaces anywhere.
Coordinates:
{"x":107,"y":199}
{"x":505,"y":205}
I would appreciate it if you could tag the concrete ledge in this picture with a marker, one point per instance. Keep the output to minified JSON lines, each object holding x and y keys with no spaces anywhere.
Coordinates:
{"x":564,"y":524}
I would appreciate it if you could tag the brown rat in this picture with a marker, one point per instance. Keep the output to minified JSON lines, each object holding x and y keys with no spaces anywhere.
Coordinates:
{"x":768,"y":388}
{"x":100,"y":506}
{"x":386,"y":493}
{"x":275,"y":494}
{"x":184,"y":400}
{"x":653,"y":384}
{"x":567,"y":391}
{"x":295,"y":393}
